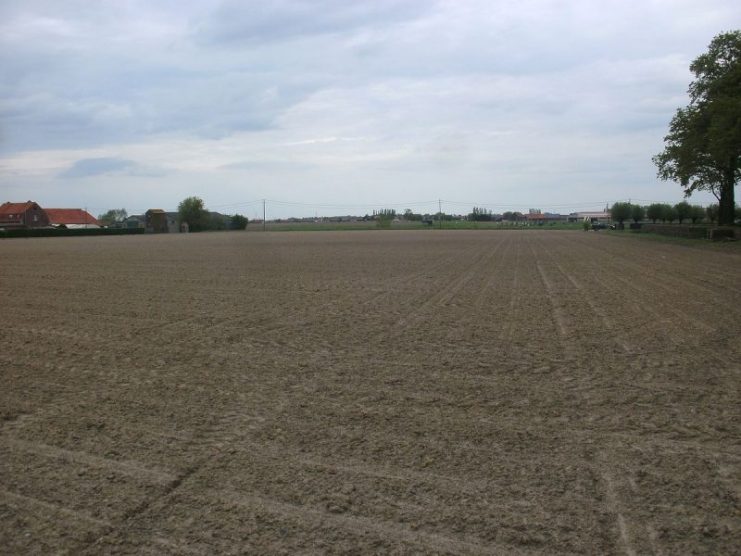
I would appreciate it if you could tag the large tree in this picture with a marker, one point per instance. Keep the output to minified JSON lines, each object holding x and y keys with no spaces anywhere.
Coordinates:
{"x":112,"y":216}
{"x":620,"y":212}
{"x":192,"y":211}
{"x":703,"y":147}
{"x":683,"y":210}
{"x":637,"y":213}
{"x":654,"y":212}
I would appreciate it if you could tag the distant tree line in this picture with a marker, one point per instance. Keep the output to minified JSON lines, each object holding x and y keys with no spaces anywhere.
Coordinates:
{"x":666,"y":213}
{"x":411,"y":216}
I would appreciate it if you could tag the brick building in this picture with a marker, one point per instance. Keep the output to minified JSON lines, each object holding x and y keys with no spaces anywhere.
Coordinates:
{"x":22,"y":215}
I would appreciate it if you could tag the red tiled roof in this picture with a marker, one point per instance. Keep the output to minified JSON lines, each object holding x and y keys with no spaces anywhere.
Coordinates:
{"x":70,"y":216}
{"x":15,"y":208}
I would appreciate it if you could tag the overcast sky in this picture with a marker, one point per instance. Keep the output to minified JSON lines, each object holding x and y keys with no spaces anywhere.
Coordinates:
{"x":342,"y":106}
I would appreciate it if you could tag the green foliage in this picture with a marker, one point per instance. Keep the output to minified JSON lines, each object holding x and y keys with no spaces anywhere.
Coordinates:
{"x":238,"y":222}
{"x":683,"y":211}
{"x":696,"y":213}
{"x":703,"y":146}
{"x":480,"y":215}
{"x":510,"y":216}
{"x":637,"y":213}
{"x":218,"y":221}
{"x":712,"y":212}
{"x":192,"y":211}
{"x":620,"y":212}
{"x":384,"y":217}
{"x":69,"y":232}
{"x":668,"y":213}
{"x":586,"y":225}
{"x":113,"y":216}
{"x":655,"y":212}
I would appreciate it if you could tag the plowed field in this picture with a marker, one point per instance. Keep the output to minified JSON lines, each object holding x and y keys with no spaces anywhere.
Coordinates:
{"x":481,"y":392}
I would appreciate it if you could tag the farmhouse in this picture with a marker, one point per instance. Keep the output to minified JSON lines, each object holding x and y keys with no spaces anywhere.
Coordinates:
{"x":22,"y":215}
{"x":535,"y":218}
{"x":71,"y":218}
{"x":541,"y":218}
{"x":155,"y":221}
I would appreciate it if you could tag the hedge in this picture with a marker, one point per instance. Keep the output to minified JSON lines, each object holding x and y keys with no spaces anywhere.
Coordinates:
{"x":694,"y":232}
{"x":67,"y":232}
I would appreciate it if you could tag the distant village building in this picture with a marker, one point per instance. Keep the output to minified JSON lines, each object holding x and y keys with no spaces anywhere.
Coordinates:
{"x":133,"y":222}
{"x":71,"y":218}
{"x":22,"y":215}
{"x":593,"y":217}
{"x":155,"y":221}
{"x":173,"y":225}
{"x":537,"y":217}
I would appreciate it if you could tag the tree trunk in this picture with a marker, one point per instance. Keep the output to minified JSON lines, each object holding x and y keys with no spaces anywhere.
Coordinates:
{"x":727,"y":204}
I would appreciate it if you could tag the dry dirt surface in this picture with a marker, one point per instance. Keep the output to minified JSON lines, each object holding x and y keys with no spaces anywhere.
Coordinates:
{"x":463,"y":392}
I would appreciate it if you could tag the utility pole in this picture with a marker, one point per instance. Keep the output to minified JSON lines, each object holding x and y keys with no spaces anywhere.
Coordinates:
{"x":440,"y":212}
{"x":263,"y":215}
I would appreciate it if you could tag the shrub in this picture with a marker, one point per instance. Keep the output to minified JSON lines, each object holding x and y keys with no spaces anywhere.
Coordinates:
{"x":238,"y":222}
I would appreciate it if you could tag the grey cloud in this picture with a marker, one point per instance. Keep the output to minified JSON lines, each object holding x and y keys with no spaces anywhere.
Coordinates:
{"x":89,"y":167}
{"x":269,"y":165}
{"x":114,"y":110}
{"x":258,"y":21}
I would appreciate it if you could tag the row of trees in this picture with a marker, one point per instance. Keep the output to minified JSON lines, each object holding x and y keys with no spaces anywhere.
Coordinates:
{"x":193,"y":211}
{"x":479,"y":214}
{"x":665,"y":212}
{"x":411,"y":216}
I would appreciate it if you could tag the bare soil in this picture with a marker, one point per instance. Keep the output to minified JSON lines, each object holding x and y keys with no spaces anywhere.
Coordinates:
{"x":463,"y":392}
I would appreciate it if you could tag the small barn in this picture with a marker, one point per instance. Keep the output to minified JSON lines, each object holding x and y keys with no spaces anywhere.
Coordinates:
{"x":22,"y":215}
{"x":71,"y":218}
{"x":155,"y":221}
{"x":133,"y":222}
{"x":173,"y":222}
